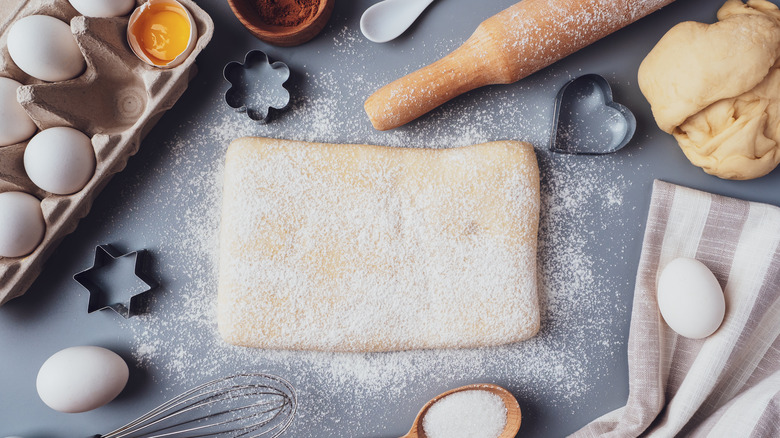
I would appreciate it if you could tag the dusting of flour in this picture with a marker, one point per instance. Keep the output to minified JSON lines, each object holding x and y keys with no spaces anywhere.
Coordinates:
{"x":359,"y":248}
{"x":178,"y":342}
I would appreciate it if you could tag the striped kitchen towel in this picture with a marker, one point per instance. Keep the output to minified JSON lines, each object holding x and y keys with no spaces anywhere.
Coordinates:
{"x":727,"y":385}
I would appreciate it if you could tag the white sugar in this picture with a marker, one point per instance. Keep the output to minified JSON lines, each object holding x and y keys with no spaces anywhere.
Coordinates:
{"x":466,"y":414}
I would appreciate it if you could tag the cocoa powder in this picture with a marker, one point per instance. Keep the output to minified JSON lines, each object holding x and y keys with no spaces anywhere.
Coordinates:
{"x":287,"y":13}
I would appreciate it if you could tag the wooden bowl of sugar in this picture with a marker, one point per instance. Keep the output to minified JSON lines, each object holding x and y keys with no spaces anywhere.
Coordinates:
{"x":283,"y":22}
{"x":478,"y":410}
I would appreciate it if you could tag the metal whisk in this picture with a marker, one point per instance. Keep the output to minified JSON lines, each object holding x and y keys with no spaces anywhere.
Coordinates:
{"x":242,"y":405}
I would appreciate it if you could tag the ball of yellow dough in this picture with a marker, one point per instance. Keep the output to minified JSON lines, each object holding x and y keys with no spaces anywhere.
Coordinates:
{"x":716,"y":88}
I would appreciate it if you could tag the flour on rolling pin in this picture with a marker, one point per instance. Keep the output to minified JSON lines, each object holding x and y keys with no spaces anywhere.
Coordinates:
{"x":505,"y":48}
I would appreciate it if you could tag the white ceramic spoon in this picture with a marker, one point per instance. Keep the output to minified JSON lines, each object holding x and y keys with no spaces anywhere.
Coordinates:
{"x":388,"y":19}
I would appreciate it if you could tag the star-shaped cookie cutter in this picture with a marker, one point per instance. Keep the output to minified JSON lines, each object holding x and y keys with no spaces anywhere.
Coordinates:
{"x":105,"y":254}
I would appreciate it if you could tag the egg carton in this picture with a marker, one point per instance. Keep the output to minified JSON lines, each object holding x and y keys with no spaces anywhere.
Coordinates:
{"x":116,"y":102}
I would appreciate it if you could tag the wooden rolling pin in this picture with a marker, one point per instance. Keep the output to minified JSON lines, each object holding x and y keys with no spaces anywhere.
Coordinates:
{"x":505,"y":48}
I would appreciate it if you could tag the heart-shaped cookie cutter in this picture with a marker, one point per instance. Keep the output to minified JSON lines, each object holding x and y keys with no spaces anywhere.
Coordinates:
{"x":252,"y":87}
{"x":587,"y":121}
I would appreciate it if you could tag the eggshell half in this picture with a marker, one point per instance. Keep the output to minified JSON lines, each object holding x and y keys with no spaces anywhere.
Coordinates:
{"x":690,"y":298}
{"x":135,"y":45}
{"x":79,"y":379}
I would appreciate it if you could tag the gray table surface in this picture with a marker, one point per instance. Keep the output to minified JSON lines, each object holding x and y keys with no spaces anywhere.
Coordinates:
{"x":167,"y":199}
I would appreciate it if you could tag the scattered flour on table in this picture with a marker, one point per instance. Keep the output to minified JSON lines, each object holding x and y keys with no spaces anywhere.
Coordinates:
{"x":178,"y":339}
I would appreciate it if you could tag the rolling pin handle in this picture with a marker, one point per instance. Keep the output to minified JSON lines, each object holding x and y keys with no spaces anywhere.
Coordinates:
{"x":419,"y":92}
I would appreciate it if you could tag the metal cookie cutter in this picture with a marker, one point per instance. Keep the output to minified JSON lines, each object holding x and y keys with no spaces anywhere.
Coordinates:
{"x":587,"y":121}
{"x":104,"y":256}
{"x":257,"y":86}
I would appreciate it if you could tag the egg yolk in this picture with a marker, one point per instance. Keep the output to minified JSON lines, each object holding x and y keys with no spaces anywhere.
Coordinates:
{"x":163,"y":33}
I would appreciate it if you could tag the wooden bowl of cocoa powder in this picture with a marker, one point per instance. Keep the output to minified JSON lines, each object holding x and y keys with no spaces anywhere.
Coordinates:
{"x":283,"y":22}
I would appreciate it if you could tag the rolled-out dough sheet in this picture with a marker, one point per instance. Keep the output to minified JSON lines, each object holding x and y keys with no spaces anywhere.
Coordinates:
{"x":368,"y":248}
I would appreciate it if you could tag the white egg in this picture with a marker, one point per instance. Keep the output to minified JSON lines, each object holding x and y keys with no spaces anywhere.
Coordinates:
{"x":44,"y":48}
{"x":15,"y":124}
{"x":60,"y":160}
{"x":690,"y":298}
{"x":103,"y":8}
{"x":21,"y":224}
{"x":79,"y":379}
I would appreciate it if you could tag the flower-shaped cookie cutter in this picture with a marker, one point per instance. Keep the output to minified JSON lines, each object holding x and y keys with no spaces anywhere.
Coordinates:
{"x":257,"y":85}
{"x":587,"y":121}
